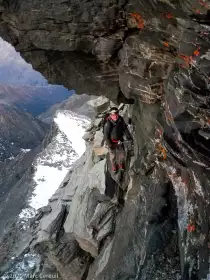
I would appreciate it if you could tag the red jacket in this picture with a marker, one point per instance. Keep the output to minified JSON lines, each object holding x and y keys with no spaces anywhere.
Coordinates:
{"x":115,"y":130}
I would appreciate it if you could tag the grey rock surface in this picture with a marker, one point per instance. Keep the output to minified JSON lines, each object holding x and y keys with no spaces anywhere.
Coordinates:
{"x":78,"y":205}
{"x":100,"y":104}
{"x":76,"y":103}
{"x":19,"y":131}
{"x":156,"y":53}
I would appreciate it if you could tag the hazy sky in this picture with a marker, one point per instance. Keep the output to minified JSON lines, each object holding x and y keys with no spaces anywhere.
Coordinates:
{"x":14,"y":70}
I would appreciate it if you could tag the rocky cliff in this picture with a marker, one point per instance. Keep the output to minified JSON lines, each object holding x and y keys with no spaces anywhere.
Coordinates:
{"x":19,"y":131}
{"x":26,"y":184}
{"x":155,"y":52}
{"x":76,"y":103}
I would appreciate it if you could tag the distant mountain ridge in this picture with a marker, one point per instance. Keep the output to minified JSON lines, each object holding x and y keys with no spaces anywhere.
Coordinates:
{"x":22,"y":86}
{"x":33,"y":99}
{"x":18,"y":130}
{"x":76,"y":103}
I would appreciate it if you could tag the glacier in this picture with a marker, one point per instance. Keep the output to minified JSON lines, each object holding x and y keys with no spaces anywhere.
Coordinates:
{"x":53,"y":163}
{"x":51,"y":167}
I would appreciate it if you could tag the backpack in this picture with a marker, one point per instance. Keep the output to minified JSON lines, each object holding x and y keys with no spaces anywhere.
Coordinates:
{"x":104,"y":120}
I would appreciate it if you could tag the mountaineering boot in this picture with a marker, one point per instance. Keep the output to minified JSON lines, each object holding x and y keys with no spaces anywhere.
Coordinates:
{"x":114,"y":168}
{"x":122,"y":167}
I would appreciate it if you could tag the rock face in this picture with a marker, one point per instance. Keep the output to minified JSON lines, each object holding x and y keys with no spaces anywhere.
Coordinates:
{"x":155,"y":52}
{"x":86,"y":231}
{"x":19,"y":131}
{"x":76,"y":103}
{"x":27,"y":182}
{"x":14,"y":186}
{"x":15,"y":183}
{"x":74,"y":227}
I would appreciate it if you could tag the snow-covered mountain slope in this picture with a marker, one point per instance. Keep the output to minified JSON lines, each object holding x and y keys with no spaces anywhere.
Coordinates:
{"x":75,"y":103}
{"x":53,"y":163}
{"x":73,"y":127}
{"x":63,"y":146}
{"x":47,"y":168}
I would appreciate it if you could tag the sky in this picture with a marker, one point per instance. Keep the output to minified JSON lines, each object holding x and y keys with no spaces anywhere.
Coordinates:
{"x":14,"y":69}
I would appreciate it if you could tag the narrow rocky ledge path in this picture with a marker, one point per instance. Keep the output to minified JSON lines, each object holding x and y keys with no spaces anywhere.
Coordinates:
{"x":79,"y":231}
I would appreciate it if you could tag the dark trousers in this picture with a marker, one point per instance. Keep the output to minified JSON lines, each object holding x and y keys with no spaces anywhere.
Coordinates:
{"x":117,"y":155}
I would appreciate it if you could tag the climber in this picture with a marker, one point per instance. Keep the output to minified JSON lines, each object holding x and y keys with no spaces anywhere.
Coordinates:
{"x":114,"y":130}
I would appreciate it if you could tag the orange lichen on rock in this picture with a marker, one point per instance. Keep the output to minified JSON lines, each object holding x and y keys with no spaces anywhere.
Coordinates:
{"x":187,"y":59}
{"x":166,"y":44}
{"x":197,"y":52}
{"x":190,"y":228}
{"x":197,"y":11}
{"x":139,"y":20}
{"x":168,"y":115}
{"x":204,"y":4}
{"x":169,"y":15}
{"x":162,"y":150}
